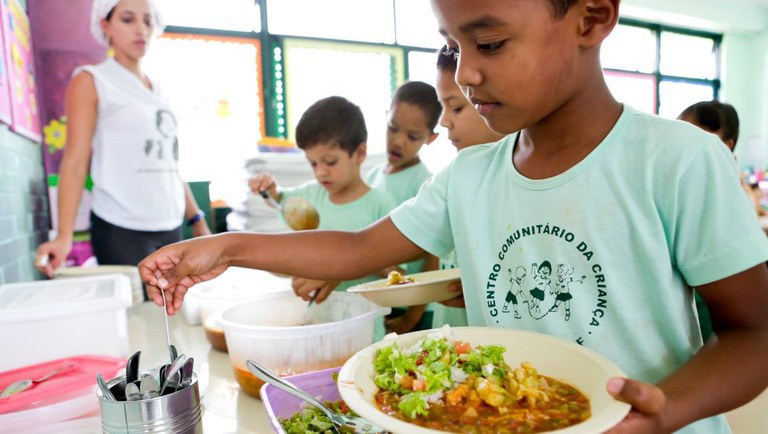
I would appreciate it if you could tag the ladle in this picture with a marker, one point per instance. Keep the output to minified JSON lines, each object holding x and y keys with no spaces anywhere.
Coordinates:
{"x":298,"y":213}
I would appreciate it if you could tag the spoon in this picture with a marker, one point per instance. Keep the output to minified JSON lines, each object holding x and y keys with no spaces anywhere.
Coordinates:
{"x":171,"y":348}
{"x":298,"y":213}
{"x":341,"y":423}
{"x":171,"y":374}
{"x":306,"y":316}
{"x":132,"y":368}
{"x":132,"y":392}
{"x":22,"y":385}
{"x":104,"y":388}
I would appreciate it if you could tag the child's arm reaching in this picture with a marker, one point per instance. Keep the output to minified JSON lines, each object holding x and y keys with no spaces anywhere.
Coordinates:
{"x":265,"y":182}
{"x":322,"y":255}
{"x":726,"y":373}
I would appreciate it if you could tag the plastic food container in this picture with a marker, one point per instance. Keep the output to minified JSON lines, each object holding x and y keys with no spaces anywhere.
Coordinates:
{"x":50,"y":319}
{"x":137,"y":291}
{"x":233,"y":286}
{"x":267,"y":331}
{"x":68,"y":395}
{"x":282,"y":405}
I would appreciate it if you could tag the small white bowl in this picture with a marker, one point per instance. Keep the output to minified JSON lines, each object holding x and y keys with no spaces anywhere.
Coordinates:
{"x":427,"y":287}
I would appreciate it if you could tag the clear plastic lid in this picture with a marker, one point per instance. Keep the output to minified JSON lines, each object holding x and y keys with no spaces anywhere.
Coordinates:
{"x":61,"y":297}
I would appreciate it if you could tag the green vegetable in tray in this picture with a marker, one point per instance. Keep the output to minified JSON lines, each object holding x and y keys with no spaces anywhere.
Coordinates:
{"x":312,"y":421}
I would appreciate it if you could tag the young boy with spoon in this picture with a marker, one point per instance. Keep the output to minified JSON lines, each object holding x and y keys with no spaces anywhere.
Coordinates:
{"x":333,"y":135}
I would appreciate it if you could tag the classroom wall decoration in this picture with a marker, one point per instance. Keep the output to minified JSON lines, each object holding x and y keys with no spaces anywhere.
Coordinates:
{"x":17,"y":48}
{"x":5,"y":92}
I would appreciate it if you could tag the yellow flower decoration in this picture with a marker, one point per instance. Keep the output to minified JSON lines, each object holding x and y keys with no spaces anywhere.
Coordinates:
{"x":56,"y":134}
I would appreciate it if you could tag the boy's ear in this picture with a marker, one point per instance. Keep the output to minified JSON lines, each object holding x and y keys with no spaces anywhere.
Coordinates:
{"x":432,"y":138}
{"x":597,"y":20}
{"x":360,"y":153}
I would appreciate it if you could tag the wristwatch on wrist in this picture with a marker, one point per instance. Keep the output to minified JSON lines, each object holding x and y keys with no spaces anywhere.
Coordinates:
{"x":196,"y":218}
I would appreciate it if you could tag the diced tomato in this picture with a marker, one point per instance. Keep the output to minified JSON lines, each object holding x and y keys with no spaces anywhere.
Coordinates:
{"x":420,"y":360}
{"x":462,"y":347}
{"x":419,"y":385}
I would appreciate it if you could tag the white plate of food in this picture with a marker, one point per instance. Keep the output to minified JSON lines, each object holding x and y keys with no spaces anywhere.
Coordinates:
{"x":411,"y":289}
{"x":396,"y":385}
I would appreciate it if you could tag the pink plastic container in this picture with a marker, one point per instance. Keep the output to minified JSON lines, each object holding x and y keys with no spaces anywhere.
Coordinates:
{"x":281,"y":405}
{"x":65,"y":396}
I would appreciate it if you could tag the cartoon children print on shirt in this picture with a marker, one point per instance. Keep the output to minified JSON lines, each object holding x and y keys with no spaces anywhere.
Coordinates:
{"x":543,"y":289}
{"x":515,"y":280}
{"x":167,"y":126}
{"x":562,"y":288}
{"x":543,"y":282}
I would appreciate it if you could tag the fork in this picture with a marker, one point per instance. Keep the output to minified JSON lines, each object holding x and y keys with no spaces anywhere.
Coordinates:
{"x":341,"y":423}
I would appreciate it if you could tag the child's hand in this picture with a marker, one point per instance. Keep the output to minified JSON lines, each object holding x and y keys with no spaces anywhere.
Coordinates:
{"x":458,"y":301}
{"x":177,"y":267}
{"x":407,"y":321}
{"x":305,"y":287}
{"x":648,"y":404}
{"x":263,"y":182}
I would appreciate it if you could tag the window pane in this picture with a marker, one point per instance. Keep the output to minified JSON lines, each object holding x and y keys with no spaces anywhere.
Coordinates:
{"x":636,"y":90}
{"x":674,"y":97}
{"x":422,"y":66}
{"x":366,"y":75}
{"x":629,"y":48}
{"x":236,"y":15}
{"x":416,"y":24}
{"x":373,"y":19}
{"x":214,"y":85}
{"x":687,"y":56}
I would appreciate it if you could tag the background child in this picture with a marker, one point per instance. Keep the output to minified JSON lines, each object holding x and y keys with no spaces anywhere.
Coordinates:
{"x":411,"y":121}
{"x":465,"y":128}
{"x":333,"y":136}
{"x":590,"y":186}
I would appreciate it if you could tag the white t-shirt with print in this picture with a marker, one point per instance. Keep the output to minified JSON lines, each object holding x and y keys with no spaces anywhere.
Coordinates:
{"x":600,"y":254}
{"x":136,"y":182}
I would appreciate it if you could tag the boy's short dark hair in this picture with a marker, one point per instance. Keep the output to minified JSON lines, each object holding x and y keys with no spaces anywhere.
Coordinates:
{"x":715,"y":116}
{"x":423,"y":96}
{"x":561,"y":7}
{"x":329,"y":120}
{"x":446,"y":60}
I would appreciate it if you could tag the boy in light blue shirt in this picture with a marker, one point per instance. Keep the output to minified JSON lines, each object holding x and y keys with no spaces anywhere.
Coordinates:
{"x":333,"y":135}
{"x":644,"y":208}
{"x":411,"y":121}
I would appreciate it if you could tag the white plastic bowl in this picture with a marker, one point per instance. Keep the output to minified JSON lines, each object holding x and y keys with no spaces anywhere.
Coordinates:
{"x":267,"y":331}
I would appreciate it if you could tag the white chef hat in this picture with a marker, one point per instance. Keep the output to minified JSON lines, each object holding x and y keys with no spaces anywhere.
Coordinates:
{"x":102,"y":8}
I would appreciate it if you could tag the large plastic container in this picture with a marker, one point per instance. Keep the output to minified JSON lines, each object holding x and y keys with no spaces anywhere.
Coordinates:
{"x":45,"y":320}
{"x":233,"y":286}
{"x":267,"y":331}
{"x":137,"y":291}
{"x":68,"y":395}
{"x":283,"y":405}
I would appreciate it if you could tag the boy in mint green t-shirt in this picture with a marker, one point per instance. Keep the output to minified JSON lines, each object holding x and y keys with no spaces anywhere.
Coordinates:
{"x":411,"y":121}
{"x":465,"y":128}
{"x":629,"y":211}
{"x":333,"y":136}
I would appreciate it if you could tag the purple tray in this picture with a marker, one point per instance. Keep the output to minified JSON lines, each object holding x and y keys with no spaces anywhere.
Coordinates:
{"x":281,"y":405}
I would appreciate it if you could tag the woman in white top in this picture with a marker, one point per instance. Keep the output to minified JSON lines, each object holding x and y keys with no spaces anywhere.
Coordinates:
{"x":121,"y":127}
